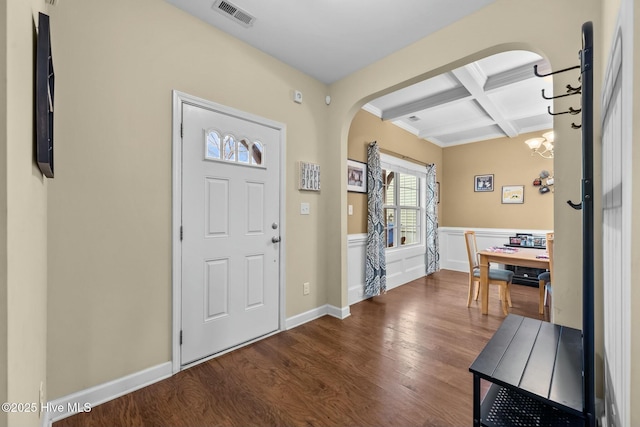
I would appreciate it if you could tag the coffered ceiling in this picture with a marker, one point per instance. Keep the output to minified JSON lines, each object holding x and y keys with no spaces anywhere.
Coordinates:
{"x":494,"y":97}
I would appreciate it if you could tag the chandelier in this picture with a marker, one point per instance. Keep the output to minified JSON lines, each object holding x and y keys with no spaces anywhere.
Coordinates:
{"x":542,"y":146}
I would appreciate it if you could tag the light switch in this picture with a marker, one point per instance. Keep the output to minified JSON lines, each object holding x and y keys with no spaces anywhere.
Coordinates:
{"x":304,"y":209}
{"x":350,"y":209}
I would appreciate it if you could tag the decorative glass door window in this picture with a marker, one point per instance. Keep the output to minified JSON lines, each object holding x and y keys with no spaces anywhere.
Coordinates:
{"x":229,"y":149}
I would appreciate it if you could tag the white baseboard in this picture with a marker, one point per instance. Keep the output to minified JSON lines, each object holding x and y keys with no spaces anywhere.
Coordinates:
{"x":337,"y":312}
{"x":86,"y":399}
{"x":307,"y":316}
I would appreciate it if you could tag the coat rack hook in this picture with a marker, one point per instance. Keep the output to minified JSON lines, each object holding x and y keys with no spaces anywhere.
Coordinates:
{"x":555,"y":114}
{"x":575,"y":126}
{"x":576,"y":206}
{"x":574,"y":89}
{"x":571,"y":111}
{"x":535,"y":71}
{"x":559,"y":96}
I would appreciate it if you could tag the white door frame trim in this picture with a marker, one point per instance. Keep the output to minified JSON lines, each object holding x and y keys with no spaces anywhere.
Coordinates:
{"x":180,"y":98}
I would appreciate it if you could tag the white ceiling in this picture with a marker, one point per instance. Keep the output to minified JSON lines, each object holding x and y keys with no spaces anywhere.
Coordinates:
{"x":330,"y":39}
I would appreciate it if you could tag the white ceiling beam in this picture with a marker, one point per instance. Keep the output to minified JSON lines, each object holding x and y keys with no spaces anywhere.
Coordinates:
{"x":470,"y":135}
{"x":425,"y":103}
{"x":514,"y":75}
{"x":474,"y":79}
{"x":438,"y":131}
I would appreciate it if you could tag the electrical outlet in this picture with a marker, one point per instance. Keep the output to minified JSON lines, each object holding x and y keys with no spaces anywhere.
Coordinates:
{"x":305,"y":288}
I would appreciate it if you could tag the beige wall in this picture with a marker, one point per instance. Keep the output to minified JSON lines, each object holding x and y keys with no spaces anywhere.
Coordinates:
{"x":635,"y":253}
{"x":366,"y":128}
{"x":511,"y":163}
{"x":110,"y":203}
{"x":4,"y":309}
{"x":24,"y":265}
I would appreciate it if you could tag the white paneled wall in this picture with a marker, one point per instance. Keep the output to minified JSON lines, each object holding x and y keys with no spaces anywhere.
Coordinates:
{"x":453,"y":252}
{"x":403,"y":265}
{"x":407,"y":264}
{"x":617,"y":170}
{"x":356,"y":253}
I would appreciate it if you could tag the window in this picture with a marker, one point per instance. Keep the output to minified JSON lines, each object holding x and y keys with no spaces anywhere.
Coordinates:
{"x":403,"y":205}
{"x":229,"y":149}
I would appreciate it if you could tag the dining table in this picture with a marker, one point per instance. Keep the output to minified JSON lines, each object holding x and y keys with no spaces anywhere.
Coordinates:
{"x":524,"y":257}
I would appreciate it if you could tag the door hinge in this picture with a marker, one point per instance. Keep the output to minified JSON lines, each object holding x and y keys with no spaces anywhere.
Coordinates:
{"x":181,"y":234}
{"x":181,"y":131}
{"x":180,"y":337}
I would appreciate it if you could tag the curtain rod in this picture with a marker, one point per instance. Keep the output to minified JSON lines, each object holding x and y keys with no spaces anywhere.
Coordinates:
{"x":403,"y":157}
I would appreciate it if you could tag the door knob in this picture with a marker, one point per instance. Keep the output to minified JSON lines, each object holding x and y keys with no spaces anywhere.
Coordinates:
{"x":275,"y":239}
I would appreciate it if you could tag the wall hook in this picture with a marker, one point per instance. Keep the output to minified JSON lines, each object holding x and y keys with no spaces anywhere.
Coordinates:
{"x":571,"y":111}
{"x":535,"y":71}
{"x":575,"y":206}
{"x":574,"y":89}
{"x":559,"y":96}
{"x":575,"y":126}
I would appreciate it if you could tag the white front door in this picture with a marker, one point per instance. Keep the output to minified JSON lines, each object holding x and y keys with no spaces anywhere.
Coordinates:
{"x":230,"y":234}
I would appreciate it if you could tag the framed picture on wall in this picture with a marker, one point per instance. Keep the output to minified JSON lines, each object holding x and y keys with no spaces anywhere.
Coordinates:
{"x":356,"y":176}
{"x":483,"y":183}
{"x":513,"y":194}
{"x":309,"y":177}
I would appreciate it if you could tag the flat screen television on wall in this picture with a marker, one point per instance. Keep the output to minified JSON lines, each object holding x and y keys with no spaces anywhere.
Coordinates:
{"x":44,"y":91}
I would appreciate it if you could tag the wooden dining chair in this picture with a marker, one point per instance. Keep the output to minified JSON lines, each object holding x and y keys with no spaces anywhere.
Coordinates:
{"x":546,"y":279}
{"x":497,"y":276}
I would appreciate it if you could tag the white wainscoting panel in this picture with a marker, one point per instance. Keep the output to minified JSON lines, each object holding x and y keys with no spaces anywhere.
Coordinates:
{"x":453,"y":252}
{"x":356,"y":255}
{"x":407,"y":264}
{"x":403,"y":266}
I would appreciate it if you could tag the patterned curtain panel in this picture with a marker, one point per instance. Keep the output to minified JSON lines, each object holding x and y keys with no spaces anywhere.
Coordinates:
{"x":375,"y":269}
{"x":433,"y":249}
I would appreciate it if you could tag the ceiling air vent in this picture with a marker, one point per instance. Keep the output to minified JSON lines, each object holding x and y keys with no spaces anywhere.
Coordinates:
{"x":233,"y":12}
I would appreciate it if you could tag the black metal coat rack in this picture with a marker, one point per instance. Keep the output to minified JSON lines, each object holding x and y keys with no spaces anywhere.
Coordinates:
{"x":586,"y":205}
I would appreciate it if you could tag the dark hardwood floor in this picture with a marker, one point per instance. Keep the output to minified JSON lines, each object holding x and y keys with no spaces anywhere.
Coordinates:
{"x":400,"y":359}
